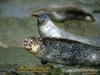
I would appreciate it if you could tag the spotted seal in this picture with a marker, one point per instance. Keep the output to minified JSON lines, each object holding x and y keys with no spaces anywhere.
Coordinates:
{"x":63,"y":51}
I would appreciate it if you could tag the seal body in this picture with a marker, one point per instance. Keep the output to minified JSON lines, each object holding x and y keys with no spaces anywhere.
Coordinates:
{"x":63,"y":51}
{"x":49,"y":29}
{"x":61,"y":14}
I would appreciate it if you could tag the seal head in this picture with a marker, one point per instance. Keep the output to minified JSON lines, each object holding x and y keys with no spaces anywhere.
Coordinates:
{"x":32,"y":44}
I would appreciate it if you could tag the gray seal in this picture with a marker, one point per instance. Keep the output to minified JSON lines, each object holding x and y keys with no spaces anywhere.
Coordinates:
{"x":82,"y":31}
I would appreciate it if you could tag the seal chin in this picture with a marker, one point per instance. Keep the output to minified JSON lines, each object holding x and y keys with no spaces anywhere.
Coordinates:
{"x":35,"y":48}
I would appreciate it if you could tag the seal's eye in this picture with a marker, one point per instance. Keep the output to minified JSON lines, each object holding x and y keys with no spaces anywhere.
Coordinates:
{"x":31,"y":41}
{"x":45,"y":17}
